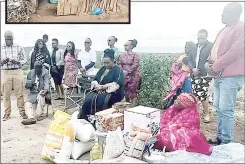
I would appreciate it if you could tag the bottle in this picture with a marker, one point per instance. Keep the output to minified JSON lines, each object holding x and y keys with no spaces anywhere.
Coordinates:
{"x":96,"y":152}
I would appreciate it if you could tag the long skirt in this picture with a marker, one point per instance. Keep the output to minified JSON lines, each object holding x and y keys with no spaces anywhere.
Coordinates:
{"x":95,"y":102}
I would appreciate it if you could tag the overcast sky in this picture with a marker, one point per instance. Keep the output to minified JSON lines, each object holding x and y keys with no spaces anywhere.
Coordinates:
{"x":159,"y":24}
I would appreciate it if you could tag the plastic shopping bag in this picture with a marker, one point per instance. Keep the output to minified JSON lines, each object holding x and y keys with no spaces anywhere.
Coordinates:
{"x":114,"y":144}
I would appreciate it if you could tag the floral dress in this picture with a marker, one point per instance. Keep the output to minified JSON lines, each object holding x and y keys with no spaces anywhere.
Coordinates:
{"x":130,"y":63}
{"x":71,"y":70}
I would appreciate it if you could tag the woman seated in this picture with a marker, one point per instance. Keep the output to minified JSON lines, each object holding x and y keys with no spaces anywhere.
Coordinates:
{"x":106,"y":89}
{"x":180,"y":127}
{"x":180,"y":80}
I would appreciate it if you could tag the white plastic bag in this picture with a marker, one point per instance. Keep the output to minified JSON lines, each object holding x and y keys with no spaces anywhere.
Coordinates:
{"x":80,"y":148}
{"x":85,"y":131}
{"x":114,"y":144}
{"x":74,"y":116}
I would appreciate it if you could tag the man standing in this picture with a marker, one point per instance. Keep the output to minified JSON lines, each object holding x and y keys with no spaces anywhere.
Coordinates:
{"x":38,"y":84}
{"x":200,"y":81}
{"x":57,"y":70}
{"x":87,"y":57}
{"x":226,"y":65}
{"x":12,"y":60}
{"x":49,"y":46}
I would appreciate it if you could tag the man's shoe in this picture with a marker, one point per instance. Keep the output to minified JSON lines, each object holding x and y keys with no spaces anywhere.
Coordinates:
{"x":23,"y":115}
{"x":6,"y":117}
{"x":29,"y":121}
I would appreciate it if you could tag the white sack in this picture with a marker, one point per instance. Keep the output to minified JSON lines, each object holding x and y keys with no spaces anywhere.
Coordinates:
{"x":84,"y":130}
{"x":80,"y":148}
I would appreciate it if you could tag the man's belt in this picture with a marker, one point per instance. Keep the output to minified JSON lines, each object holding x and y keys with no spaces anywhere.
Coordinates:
{"x":11,"y":69}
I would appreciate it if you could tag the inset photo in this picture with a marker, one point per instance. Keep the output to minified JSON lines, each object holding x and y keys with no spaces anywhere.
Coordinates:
{"x":68,"y":11}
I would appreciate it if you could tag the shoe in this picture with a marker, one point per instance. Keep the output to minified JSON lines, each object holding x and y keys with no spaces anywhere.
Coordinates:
{"x":5,"y":117}
{"x":29,"y":121}
{"x":207,"y":118}
{"x":57,"y":98}
{"x":40,"y":118}
{"x":215,"y":141}
{"x":23,"y":115}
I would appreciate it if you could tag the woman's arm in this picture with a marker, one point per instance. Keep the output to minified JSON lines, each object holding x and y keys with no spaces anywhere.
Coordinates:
{"x":33,"y":59}
{"x":136,"y":63}
{"x":48,"y":59}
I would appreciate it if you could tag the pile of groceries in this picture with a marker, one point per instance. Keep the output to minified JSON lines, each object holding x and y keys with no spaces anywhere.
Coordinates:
{"x":121,"y":136}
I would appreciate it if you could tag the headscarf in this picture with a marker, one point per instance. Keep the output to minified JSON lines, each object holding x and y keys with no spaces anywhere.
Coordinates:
{"x":187,"y":100}
{"x":184,"y":67}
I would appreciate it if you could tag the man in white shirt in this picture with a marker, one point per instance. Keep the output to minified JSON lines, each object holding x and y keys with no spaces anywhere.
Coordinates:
{"x":13,"y":59}
{"x":200,"y":81}
{"x":87,"y":57}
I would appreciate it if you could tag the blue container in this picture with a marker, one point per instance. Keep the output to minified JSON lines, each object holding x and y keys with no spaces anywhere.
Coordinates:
{"x":54,"y":1}
{"x":97,"y":11}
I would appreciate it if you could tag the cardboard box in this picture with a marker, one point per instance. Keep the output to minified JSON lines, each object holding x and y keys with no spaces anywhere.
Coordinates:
{"x":142,"y":117}
{"x":112,"y":121}
{"x":109,"y":120}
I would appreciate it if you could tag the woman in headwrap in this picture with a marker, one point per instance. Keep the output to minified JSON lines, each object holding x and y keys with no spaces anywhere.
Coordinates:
{"x":40,"y":53}
{"x":180,"y":76}
{"x":106,"y":89}
{"x":71,"y":68}
{"x":180,"y":127}
{"x":130,"y":62}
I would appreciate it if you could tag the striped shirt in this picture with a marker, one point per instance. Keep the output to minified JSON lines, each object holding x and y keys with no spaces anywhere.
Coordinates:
{"x":14,"y":52}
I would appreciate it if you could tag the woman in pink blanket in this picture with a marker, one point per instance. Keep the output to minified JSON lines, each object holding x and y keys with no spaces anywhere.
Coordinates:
{"x":180,"y":80}
{"x":180,"y":127}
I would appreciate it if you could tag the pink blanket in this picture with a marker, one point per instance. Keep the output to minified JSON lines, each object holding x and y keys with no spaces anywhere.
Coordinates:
{"x":180,"y":130}
{"x":178,"y":77}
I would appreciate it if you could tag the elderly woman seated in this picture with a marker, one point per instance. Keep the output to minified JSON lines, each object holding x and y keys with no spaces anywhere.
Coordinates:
{"x":180,"y":127}
{"x":38,"y":84}
{"x":106,"y":89}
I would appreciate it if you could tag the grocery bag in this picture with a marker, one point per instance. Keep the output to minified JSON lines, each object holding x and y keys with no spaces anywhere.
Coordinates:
{"x":59,"y":140}
{"x":114,"y":144}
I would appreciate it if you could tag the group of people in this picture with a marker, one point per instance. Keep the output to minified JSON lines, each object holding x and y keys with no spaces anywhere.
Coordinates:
{"x":119,"y":77}
{"x":222,"y":62}
{"x":64,"y":66}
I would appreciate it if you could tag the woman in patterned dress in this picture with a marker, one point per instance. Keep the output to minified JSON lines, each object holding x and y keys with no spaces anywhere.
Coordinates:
{"x":130,"y":63}
{"x":40,"y":53}
{"x":71,"y":69}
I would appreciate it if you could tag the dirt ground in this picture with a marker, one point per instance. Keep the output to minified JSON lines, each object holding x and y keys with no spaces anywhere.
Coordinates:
{"x":24,"y":143}
{"x":46,"y":12}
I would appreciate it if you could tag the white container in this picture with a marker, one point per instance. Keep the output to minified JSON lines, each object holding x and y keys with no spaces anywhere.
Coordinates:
{"x":141,"y":116}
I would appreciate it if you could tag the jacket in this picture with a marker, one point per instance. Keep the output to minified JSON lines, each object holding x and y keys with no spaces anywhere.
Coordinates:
{"x":47,"y":59}
{"x":44,"y":84}
{"x":230,"y":55}
{"x":204,"y":54}
{"x":59,"y":57}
